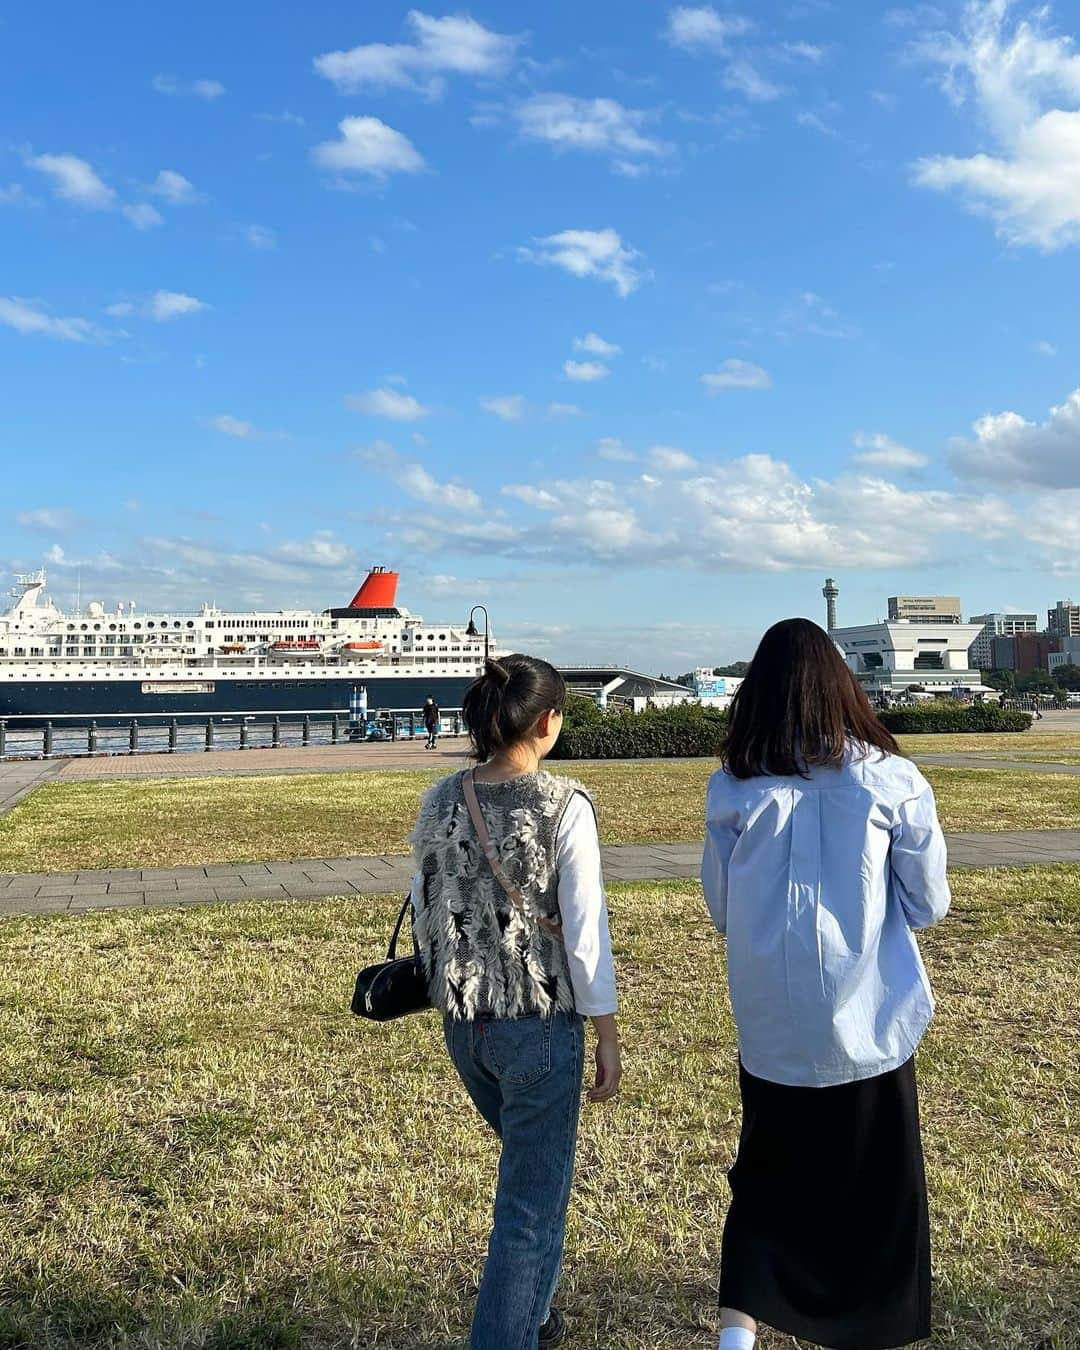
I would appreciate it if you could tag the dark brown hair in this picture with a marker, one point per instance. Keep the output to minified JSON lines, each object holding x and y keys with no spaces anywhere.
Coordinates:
{"x":799,"y":707}
{"x":502,"y":705}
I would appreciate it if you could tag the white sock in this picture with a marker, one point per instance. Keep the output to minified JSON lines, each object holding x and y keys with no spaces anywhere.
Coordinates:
{"x":737,"y":1338}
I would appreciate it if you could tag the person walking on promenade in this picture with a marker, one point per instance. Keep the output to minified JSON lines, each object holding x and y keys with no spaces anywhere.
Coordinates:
{"x":823,"y":853}
{"x":511,"y":923}
{"x":431,"y":722}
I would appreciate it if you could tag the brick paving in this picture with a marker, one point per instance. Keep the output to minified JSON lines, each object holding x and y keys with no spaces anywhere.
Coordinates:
{"x":316,"y":878}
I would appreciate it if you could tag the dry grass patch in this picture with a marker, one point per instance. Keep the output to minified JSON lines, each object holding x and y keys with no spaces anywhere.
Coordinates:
{"x":162,"y":822}
{"x":201,"y":1148}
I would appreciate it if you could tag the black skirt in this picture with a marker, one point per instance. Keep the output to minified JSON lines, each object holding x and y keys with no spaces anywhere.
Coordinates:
{"x":828,"y":1233}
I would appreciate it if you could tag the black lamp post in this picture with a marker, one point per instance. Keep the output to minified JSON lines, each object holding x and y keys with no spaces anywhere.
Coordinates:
{"x":472,"y":630}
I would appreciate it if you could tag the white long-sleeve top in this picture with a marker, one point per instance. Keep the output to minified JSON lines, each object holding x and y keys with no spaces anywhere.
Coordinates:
{"x":818,"y":883}
{"x":582,"y":908}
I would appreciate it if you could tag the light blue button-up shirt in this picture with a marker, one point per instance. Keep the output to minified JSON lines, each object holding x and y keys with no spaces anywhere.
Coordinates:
{"x":818,"y":883}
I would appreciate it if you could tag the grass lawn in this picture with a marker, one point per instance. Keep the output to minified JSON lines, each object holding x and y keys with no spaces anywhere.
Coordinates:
{"x":167,"y":822}
{"x":996,"y":744}
{"x":201,"y":1148}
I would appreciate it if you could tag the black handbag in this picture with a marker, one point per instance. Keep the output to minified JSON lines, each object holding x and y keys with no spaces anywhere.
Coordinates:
{"x":395,"y":987}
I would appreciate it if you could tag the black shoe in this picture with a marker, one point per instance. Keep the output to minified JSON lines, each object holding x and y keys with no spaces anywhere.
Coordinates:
{"x":553,"y":1332}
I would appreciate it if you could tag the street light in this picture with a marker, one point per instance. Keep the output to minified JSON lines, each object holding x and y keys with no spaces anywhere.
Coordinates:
{"x":472,"y":630}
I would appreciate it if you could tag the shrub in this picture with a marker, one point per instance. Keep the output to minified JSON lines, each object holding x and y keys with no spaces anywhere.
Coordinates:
{"x":580,"y":712}
{"x":683,"y":730}
{"x":954,"y":717}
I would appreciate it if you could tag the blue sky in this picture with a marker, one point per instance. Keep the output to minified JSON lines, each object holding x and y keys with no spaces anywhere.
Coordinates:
{"x":630,"y":320}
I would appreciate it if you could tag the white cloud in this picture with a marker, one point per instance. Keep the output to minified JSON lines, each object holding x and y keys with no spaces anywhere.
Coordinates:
{"x":1045,"y":348}
{"x":877,"y":449}
{"x":1024,"y":83}
{"x":260,"y":237}
{"x":700,"y":27}
{"x":283,"y":118}
{"x":174,"y":188}
{"x":595,"y":345}
{"x":323,"y":549}
{"x":142,"y":215}
{"x":232,"y":426}
{"x":46,"y":518}
{"x":564,"y":410}
{"x":610,"y":447}
{"x":205,"y":89}
{"x":508,"y":407}
{"x":368,"y":146}
{"x":585,"y":371}
{"x":165,"y":305}
{"x":803,"y":51}
{"x":389,"y":403}
{"x":16,"y":195}
{"x":74,"y":180}
{"x":669,"y":459}
{"x":744,"y":78}
{"x":736,"y":374}
{"x":600,"y":125}
{"x":415,"y":480}
{"x":25,"y":316}
{"x":589,"y":253}
{"x":1008,"y":448}
{"x":453,"y":45}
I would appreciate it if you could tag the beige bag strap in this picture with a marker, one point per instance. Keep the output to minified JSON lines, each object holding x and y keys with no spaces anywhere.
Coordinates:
{"x":468,"y":787}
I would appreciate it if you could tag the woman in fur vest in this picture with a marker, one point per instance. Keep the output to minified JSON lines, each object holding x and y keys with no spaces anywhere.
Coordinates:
{"x":512,"y":926}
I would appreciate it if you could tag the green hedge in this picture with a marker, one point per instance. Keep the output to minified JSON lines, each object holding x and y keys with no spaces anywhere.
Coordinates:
{"x":955,"y":717}
{"x":682,"y":731}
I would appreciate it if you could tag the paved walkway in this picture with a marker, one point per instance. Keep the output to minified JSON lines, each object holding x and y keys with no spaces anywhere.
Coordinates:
{"x":315,"y":878}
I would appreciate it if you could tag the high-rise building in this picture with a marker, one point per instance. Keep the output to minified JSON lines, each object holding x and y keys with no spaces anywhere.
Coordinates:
{"x":1064,"y":619}
{"x":925,"y":608}
{"x":830,"y":591}
{"x":1024,"y":653}
{"x":998,"y":625}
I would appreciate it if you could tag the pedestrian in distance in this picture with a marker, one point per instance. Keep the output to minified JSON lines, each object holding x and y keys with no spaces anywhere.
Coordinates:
{"x":823,"y":854}
{"x":431,"y":722}
{"x":511,"y":923}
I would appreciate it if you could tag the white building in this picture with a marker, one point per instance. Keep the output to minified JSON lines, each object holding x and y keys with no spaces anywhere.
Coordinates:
{"x":715,"y":691}
{"x":1068,"y":656}
{"x":1063,"y":620}
{"x":890,"y":656}
{"x":998,"y":625}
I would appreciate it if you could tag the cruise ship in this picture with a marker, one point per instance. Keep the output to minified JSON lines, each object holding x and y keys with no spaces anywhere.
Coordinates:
{"x":115,"y":666}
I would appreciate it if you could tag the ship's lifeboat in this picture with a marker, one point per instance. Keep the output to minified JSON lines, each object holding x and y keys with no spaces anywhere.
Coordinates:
{"x":361,"y":648}
{"x":230,"y":648}
{"x":298,"y":645}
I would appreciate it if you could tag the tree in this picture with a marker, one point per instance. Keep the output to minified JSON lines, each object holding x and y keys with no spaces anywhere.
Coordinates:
{"x":1067,"y":677}
{"x":736,"y":668}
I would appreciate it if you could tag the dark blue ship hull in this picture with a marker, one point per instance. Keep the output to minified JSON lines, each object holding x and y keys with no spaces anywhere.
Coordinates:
{"x":113,"y":702}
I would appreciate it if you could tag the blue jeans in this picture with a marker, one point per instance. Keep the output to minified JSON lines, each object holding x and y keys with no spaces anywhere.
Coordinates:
{"x":524,"y":1077}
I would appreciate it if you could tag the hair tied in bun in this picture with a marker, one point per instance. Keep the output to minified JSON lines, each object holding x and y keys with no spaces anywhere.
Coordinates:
{"x":496,"y":671}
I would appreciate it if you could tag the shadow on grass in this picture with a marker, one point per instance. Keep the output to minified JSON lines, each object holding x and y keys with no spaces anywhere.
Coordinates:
{"x":624,"y":1309}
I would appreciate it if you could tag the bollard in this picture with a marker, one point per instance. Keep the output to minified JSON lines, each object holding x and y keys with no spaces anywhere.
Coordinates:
{"x":275,"y":741}
{"x":47,"y":740}
{"x":3,"y":738}
{"x":393,"y":726}
{"x":306,"y":734}
{"x":412,"y":726}
{"x":133,"y":737}
{"x":209,"y":733}
{"x":91,"y":739}
{"x":172,"y":737}
{"x":243,"y":735}
{"x":333,"y":730}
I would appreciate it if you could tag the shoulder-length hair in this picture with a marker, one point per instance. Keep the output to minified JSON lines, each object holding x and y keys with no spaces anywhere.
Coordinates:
{"x":799,"y":707}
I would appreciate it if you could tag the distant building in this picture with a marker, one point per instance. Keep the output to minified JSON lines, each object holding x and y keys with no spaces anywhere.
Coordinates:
{"x":998,"y":625}
{"x":1064,"y":619}
{"x":1068,"y":654}
{"x":889,"y":657}
{"x":926,"y":608}
{"x":715,"y":691}
{"x":618,"y":687}
{"x":1024,"y":653}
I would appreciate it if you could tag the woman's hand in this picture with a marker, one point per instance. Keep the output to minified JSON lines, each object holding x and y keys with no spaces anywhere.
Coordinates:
{"x":608,"y":1060}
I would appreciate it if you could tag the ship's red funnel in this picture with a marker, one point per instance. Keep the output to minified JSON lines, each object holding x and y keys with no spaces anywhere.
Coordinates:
{"x":377,"y":592}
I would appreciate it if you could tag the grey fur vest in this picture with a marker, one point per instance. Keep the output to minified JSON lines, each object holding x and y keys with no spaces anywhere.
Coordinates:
{"x":483,"y":958}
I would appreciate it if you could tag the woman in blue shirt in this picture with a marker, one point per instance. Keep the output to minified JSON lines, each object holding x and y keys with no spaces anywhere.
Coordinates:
{"x":823,"y":853}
